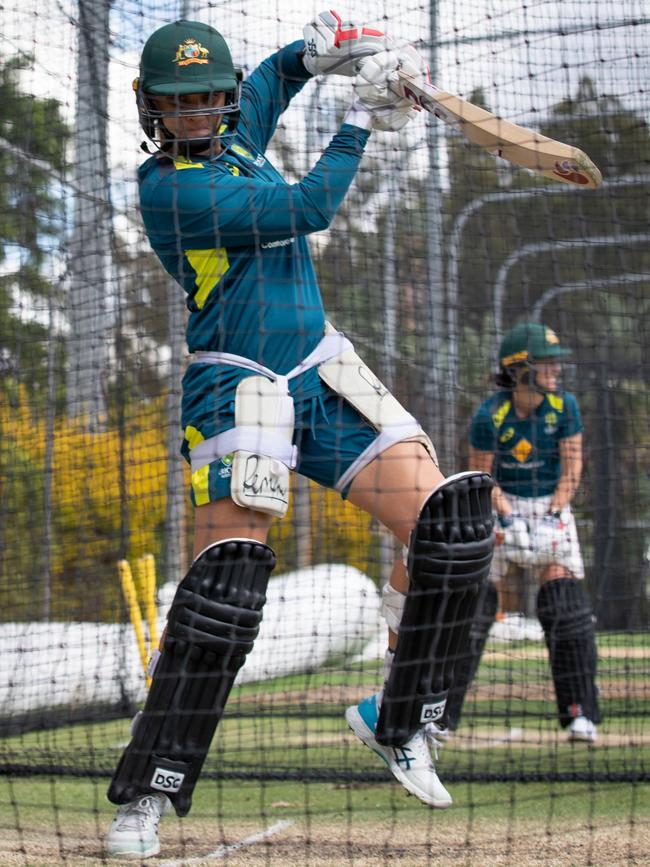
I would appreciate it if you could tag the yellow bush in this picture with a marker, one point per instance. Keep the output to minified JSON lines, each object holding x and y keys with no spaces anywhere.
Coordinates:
{"x":108,"y":500}
{"x":340,"y":532}
{"x":93,"y":510}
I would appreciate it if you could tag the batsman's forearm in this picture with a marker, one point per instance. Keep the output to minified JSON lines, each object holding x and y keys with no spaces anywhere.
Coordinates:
{"x":326,"y":185}
{"x":570,"y":472}
{"x":566,"y":489}
{"x":500,"y":501}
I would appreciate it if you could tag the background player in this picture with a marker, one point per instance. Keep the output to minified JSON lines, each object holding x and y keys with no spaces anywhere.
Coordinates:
{"x":272,"y":387}
{"x":529,"y":436}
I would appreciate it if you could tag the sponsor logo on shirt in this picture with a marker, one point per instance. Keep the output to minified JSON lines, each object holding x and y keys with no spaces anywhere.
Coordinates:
{"x":283,"y":243}
{"x":522,"y":450}
{"x":550,"y":423}
{"x":515,"y":465}
{"x":225,"y":470}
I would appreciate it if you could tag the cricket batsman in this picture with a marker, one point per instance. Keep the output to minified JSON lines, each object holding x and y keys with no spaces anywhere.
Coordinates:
{"x":273,"y":388}
{"x":528,"y":435}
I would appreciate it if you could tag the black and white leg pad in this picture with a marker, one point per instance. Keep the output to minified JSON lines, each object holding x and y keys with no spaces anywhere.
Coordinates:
{"x":449,"y":556}
{"x":567,"y":620}
{"x":211,"y":626}
{"x":467,"y":666}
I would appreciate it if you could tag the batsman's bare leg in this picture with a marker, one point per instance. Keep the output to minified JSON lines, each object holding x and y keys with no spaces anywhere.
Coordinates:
{"x":446,"y":522}
{"x":394,"y":486}
{"x":224,"y":519}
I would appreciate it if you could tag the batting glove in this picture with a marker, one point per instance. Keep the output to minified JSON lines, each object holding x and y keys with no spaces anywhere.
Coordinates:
{"x":551,"y":541}
{"x":373,"y":86}
{"x":516,"y":543}
{"x":333,"y":46}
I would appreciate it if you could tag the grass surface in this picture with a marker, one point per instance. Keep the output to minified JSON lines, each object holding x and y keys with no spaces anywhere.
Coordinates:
{"x":294,"y":726}
{"x":54,"y":821}
{"x":310,"y":793}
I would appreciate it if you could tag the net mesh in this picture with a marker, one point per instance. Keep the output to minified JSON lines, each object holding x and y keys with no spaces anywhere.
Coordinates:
{"x":436,"y":251}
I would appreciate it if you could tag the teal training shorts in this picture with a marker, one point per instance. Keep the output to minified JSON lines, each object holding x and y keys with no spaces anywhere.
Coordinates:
{"x":329,"y":434}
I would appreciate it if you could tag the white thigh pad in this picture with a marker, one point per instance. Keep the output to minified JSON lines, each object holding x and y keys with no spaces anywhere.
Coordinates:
{"x":260,"y":471}
{"x":350,"y":377}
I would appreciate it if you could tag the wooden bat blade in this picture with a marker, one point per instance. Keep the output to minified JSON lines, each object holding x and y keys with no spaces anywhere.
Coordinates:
{"x":518,"y":145}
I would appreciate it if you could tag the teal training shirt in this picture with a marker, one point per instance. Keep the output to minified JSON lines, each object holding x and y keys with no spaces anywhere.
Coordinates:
{"x":233,"y":233}
{"x":526,"y":450}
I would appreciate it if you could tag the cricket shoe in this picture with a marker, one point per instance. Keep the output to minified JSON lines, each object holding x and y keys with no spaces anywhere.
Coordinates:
{"x":134,"y":831}
{"x":437,"y":737}
{"x":582,"y":729}
{"x":411,"y":764}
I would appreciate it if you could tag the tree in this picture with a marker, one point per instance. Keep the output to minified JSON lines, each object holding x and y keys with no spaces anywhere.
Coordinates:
{"x":615,"y":137}
{"x":33,"y":138}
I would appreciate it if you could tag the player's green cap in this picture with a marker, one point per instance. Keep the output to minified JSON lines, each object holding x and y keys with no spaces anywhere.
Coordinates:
{"x":186,"y":57}
{"x":530,"y":341}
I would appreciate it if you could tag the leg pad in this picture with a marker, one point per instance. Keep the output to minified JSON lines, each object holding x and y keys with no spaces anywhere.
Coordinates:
{"x":449,"y":556}
{"x":466,"y":668}
{"x":211,"y":627}
{"x":566,"y":617}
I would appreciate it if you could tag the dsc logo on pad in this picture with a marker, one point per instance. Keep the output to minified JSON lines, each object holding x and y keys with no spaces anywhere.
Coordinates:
{"x":166,"y":781}
{"x":432,"y":712}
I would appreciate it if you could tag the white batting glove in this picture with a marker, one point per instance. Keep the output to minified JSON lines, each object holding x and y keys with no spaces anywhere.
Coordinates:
{"x":372,"y":86}
{"x":551,"y":541}
{"x":334,"y":46}
{"x":386,"y":119}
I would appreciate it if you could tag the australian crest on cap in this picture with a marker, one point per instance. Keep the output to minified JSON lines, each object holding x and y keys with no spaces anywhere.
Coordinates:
{"x":191,"y":51}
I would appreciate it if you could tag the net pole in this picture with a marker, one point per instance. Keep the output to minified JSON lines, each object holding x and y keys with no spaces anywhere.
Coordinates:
{"x":90,"y":263}
{"x":435,"y":337}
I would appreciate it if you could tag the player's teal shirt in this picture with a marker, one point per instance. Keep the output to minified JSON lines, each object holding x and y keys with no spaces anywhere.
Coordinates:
{"x":526,"y":450}
{"x":233,"y":233}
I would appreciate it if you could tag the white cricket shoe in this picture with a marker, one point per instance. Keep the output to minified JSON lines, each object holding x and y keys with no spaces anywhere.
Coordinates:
{"x":134,"y":831}
{"x":582,"y":729}
{"x":411,"y":764}
{"x":437,"y":737}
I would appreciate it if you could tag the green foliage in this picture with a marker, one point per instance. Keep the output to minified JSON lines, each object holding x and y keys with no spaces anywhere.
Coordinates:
{"x":33,"y":140}
{"x":472,"y":171}
{"x":145,"y":326}
{"x":107,"y":501}
{"x":616,"y":139}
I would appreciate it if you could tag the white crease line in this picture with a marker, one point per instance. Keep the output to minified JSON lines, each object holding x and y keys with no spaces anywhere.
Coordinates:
{"x":222,"y":851}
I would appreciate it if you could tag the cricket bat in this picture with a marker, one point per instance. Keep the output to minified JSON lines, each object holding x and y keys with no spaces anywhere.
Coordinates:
{"x":518,"y":145}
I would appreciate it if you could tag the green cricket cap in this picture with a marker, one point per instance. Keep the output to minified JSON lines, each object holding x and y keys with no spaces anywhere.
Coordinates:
{"x":530,"y":341}
{"x":186,"y":57}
